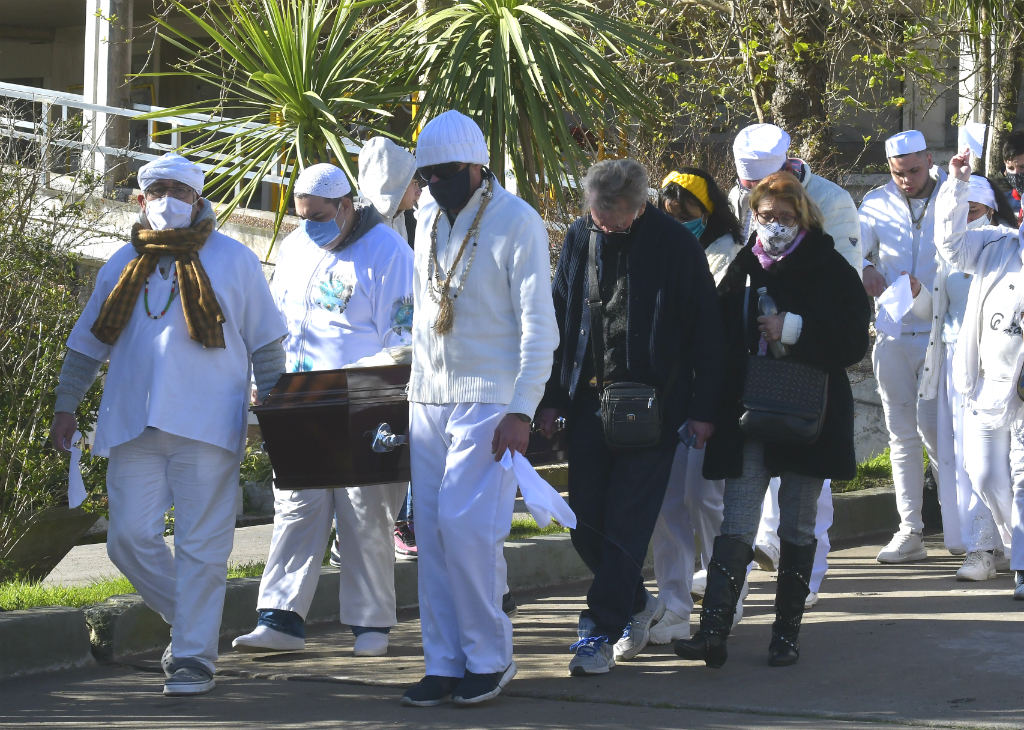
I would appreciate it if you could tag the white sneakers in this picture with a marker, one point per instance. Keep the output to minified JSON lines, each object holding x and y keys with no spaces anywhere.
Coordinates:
{"x":1002,"y":561}
{"x":738,"y":616}
{"x":766,"y":556}
{"x":638,"y":630}
{"x":371,"y":643}
{"x":905,"y":547}
{"x":979,"y":565}
{"x":264,"y":638}
{"x":811,"y":601}
{"x":699,"y":584}
{"x":671,"y":627}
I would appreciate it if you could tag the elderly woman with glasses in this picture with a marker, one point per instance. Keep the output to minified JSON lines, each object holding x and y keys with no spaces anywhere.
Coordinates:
{"x":823,"y":316}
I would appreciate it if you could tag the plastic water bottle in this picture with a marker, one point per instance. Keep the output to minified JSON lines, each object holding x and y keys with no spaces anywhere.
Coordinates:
{"x":766,"y":306}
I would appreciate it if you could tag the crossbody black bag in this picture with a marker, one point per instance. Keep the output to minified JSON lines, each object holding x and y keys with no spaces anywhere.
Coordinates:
{"x":630,"y":412}
{"x":784,"y":401}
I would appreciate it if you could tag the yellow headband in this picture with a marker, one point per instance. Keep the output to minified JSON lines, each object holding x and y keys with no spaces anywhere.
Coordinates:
{"x":693,"y":183}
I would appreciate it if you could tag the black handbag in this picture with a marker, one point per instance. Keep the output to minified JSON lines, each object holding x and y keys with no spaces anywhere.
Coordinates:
{"x":784,"y":401}
{"x":630,"y":412}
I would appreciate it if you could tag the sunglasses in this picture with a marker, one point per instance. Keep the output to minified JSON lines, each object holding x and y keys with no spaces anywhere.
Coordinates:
{"x":441,"y":172}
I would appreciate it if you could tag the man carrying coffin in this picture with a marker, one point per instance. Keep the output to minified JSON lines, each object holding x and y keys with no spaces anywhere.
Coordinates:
{"x":180,"y":313}
{"x":344,"y":285}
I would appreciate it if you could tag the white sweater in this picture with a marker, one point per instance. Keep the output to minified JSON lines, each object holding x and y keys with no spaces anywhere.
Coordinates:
{"x":501,"y":346}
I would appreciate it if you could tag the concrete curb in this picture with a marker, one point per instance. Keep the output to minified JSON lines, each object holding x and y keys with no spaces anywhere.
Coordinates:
{"x":44,"y":639}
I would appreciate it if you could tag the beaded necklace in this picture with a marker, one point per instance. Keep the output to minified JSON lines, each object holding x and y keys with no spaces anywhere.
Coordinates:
{"x":174,"y":292}
{"x":440,"y":289}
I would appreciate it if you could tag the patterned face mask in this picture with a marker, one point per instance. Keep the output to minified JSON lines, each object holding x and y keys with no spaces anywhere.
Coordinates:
{"x":775,"y":237}
{"x":1016,"y":180}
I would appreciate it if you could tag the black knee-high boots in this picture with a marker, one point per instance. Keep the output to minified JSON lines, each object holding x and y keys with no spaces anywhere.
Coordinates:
{"x":726,"y":573}
{"x":795,"y":565}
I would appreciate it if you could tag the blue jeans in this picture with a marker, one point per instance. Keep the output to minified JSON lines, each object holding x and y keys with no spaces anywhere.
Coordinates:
{"x":406,"y":514}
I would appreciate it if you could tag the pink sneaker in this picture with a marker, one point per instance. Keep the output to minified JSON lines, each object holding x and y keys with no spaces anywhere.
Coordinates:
{"x":405,"y":540}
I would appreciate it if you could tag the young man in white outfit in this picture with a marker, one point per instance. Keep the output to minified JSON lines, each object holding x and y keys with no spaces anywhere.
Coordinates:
{"x":758,"y":151}
{"x":343,"y":283}
{"x":183,"y":314}
{"x":483,"y":342}
{"x":897,"y":224}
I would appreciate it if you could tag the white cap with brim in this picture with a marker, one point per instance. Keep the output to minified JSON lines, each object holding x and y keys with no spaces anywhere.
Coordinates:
{"x":905,"y":143}
{"x":324,"y":180}
{"x":171,"y":166}
{"x":385,"y":171}
{"x":980,"y":191}
{"x":451,"y":137}
{"x":760,"y":150}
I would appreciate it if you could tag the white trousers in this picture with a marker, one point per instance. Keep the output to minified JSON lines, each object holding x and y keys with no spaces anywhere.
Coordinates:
{"x":145,"y":477}
{"x":898,"y":363}
{"x":768,"y":529}
{"x":692,"y":504}
{"x":966,"y":522}
{"x":994,"y":459}
{"x":464,"y":502}
{"x":302,"y":528}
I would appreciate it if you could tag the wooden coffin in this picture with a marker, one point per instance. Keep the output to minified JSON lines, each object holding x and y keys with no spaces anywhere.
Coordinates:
{"x":319,"y":429}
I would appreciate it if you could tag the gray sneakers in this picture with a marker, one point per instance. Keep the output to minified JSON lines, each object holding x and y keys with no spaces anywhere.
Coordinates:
{"x":594,"y":655}
{"x":189,"y":681}
{"x":638,"y":630}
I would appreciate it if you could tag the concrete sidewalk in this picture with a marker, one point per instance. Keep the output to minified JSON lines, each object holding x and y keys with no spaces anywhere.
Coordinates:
{"x":887,"y":644}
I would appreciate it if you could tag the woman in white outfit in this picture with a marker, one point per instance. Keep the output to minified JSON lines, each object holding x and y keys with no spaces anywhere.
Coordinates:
{"x":692,"y":503}
{"x":987,"y":358}
{"x":967,"y":524}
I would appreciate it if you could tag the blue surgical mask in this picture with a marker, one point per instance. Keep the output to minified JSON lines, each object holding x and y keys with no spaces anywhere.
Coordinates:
{"x":696,"y":227}
{"x":322,"y":234}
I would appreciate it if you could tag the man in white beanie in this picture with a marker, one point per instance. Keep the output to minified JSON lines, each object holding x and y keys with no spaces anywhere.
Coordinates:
{"x":483,"y":342}
{"x":343,"y":283}
{"x":176,"y":313}
{"x":387,"y":178}
{"x":897,"y":221}
{"x":758,"y":151}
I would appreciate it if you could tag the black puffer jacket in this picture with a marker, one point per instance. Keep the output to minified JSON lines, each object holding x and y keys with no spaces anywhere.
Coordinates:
{"x":817,"y":283}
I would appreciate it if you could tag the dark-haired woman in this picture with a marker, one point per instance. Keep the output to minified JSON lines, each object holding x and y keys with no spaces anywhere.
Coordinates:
{"x":823,"y":319}
{"x":692,"y":503}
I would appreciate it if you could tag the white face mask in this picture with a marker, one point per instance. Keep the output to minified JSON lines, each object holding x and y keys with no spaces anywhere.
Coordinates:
{"x":775,"y":237}
{"x":979,"y":223}
{"x":167,"y":212}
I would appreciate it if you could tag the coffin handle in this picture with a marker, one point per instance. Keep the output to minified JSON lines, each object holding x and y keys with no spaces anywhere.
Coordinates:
{"x":384,"y":440}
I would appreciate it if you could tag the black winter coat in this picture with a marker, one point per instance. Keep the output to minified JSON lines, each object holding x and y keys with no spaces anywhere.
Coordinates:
{"x":817,"y":283}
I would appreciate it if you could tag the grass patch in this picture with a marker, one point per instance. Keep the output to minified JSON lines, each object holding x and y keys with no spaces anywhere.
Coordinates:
{"x":873,"y":472}
{"x":524,"y":526}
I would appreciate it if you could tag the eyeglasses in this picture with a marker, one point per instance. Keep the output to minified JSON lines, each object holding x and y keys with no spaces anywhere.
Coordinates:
{"x":181,"y":192}
{"x":593,"y":227}
{"x":441,"y":172}
{"x":785,"y":219}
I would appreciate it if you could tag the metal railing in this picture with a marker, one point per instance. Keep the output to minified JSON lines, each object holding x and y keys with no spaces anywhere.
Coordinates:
{"x":62,"y":105}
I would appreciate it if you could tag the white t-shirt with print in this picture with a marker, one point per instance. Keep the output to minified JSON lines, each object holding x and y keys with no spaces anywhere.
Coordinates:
{"x":1001,"y":333}
{"x":342,"y":306}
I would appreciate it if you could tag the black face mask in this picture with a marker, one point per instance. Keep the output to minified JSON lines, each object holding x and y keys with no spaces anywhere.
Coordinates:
{"x":1016,"y":180}
{"x":453,"y":192}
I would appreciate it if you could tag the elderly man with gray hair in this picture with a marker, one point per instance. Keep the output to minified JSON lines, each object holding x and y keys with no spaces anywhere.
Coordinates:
{"x":648,"y":377}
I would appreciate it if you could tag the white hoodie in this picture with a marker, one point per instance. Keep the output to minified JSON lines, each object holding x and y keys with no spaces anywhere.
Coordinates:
{"x":385,"y":171}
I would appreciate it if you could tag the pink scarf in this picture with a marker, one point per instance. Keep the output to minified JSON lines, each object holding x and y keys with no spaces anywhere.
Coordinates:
{"x":767,"y":259}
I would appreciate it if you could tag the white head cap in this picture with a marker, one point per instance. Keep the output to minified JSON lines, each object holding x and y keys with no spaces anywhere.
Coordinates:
{"x":324,"y":180}
{"x":171,"y":167}
{"x":904,"y":143}
{"x":385,"y":171}
{"x":760,"y":150}
{"x":980,"y":191}
{"x":451,"y":137}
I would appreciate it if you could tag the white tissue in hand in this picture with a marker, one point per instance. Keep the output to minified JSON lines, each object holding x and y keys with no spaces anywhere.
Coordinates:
{"x":894,"y":303}
{"x":76,"y":487}
{"x":540,"y":497}
{"x":972,"y":135}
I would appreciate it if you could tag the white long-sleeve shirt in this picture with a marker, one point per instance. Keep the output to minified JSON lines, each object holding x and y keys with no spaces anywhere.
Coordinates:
{"x":502,"y":344}
{"x":346,"y":305}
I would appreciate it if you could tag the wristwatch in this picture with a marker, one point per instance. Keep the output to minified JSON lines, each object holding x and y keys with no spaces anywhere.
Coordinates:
{"x":523,"y":417}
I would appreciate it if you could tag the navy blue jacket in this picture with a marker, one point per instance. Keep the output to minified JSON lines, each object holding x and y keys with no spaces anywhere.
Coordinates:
{"x":673,"y":311}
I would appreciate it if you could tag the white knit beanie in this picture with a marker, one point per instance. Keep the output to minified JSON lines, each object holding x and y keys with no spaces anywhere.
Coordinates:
{"x":323,"y":179}
{"x":385,"y":171}
{"x":451,"y":137}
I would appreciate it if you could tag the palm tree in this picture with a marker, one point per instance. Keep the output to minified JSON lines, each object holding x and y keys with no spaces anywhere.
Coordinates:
{"x":539,"y":76}
{"x":298,"y":79}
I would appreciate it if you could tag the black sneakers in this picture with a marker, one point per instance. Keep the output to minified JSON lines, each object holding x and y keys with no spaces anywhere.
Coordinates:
{"x":477,"y":688}
{"x":432,"y":690}
{"x":508,"y":605}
